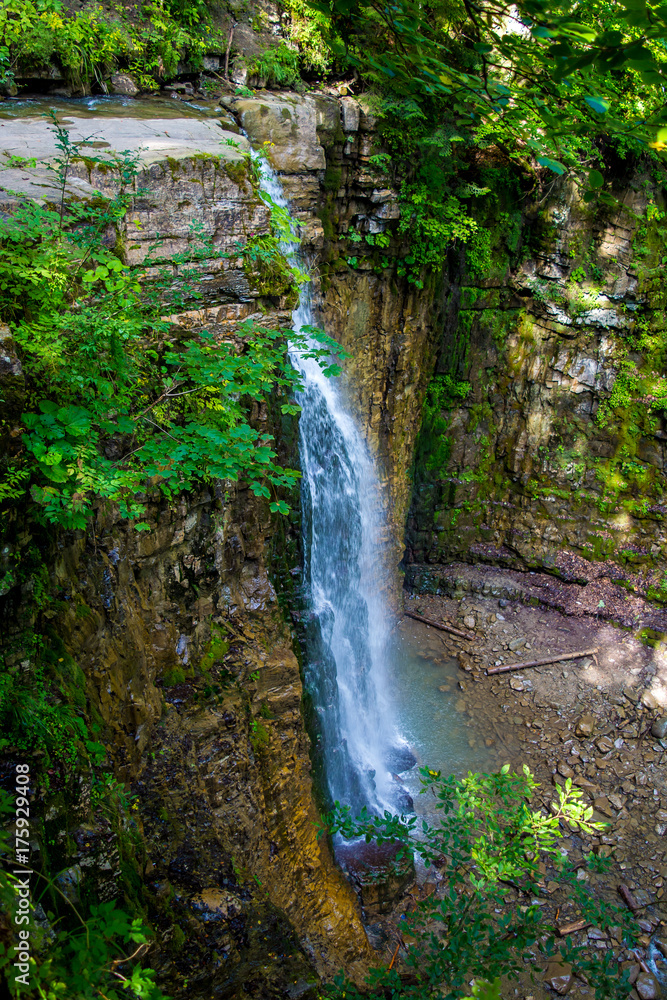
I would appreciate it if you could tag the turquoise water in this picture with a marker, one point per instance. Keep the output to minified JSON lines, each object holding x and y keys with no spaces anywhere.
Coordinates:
{"x":109,"y":107}
{"x":439,"y":732}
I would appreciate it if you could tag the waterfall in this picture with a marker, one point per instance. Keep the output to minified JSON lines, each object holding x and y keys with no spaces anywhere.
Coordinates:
{"x":348,"y":632}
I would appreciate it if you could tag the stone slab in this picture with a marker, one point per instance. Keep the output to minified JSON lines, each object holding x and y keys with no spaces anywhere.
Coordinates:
{"x":152,"y":138}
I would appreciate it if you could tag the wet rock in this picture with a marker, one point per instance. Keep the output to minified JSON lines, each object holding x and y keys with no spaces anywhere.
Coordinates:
{"x":659,"y":728}
{"x":68,"y":882}
{"x":123,"y":85}
{"x":12,"y":379}
{"x":379,"y":871}
{"x":469,"y":621}
{"x":377,"y":935}
{"x":558,"y":975}
{"x":564,"y":769}
{"x":585,"y":726}
{"x":405,"y":802}
{"x":460,"y":705}
{"x":287,"y":127}
{"x":350,"y":113}
{"x":465,"y":661}
{"x":400,"y":758}
{"x":647,"y":986}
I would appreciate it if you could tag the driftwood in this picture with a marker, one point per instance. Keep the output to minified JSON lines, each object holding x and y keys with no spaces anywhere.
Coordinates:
{"x":576,"y":925}
{"x":628,"y":898}
{"x":538,"y":663}
{"x":440,"y":625}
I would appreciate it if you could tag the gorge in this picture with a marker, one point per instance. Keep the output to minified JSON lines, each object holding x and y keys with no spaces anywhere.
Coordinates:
{"x":201,"y":661}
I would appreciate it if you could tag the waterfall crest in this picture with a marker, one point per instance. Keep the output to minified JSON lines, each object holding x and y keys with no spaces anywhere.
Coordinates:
{"x":348,"y":632}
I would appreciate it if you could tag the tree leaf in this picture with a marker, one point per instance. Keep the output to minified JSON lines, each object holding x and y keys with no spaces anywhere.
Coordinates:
{"x":597,"y":104}
{"x":554,"y":165}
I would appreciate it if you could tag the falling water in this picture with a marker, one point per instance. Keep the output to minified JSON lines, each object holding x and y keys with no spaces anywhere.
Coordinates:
{"x":343,"y":576}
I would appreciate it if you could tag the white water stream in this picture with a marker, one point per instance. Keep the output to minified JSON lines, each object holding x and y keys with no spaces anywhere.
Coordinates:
{"x":348,"y":632}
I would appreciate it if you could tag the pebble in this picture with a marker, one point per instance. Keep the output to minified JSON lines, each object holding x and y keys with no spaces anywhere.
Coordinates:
{"x":469,"y":621}
{"x":517,"y":643}
{"x":585,"y":726}
{"x":659,"y":728}
{"x":603,"y":805}
{"x":647,"y":986}
{"x":558,"y":976}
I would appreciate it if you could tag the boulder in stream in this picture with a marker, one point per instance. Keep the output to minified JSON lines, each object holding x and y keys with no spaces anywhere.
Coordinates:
{"x":400,"y":758}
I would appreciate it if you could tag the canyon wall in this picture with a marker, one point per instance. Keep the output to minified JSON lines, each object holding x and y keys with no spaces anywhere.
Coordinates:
{"x":176,"y":634}
{"x":177,"y":638}
{"x":551,"y":456}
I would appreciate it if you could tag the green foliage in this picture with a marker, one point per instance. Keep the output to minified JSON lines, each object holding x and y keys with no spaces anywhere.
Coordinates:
{"x":259,"y":735}
{"x":266,"y":267}
{"x":277,"y":66}
{"x":174,"y":676}
{"x":483,"y":990}
{"x":433,"y":446}
{"x":310,"y":30}
{"x":120,"y":400}
{"x":82,"y":955}
{"x":565,"y":75}
{"x":486,"y":835}
{"x":188,"y":12}
{"x":41,"y":698}
{"x":92,"y":42}
{"x":445,"y":392}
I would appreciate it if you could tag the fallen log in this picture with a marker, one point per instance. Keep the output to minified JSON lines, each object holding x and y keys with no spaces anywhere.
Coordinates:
{"x":539,"y":663}
{"x":440,"y":625}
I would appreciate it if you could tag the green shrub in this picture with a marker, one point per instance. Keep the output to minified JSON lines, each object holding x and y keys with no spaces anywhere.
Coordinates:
{"x":277,"y":67}
{"x":485,"y":836}
{"x":89,"y":44}
{"x":118,"y":398}
{"x":174,"y":676}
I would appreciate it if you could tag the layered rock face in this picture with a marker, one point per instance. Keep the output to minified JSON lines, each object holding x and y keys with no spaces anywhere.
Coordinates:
{"x":188,"y":664}
{"x":551,"y":452}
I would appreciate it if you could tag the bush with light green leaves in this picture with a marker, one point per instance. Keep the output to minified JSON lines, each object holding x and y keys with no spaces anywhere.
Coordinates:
{"x":487,"y":836}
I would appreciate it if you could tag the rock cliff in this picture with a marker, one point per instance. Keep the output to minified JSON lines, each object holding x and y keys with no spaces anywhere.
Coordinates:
{"x":554,"y":452}
{"x":188,"y":665}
